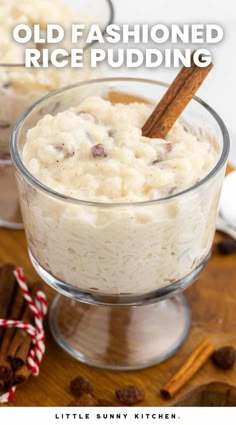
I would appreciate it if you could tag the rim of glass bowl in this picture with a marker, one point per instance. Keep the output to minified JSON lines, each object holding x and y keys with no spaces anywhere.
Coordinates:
{"x":23,"y":170}
{"x":110,"y":21}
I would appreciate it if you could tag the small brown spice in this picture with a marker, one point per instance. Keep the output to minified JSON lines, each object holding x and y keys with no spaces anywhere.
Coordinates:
{"x":60,"y":147}
{"x":84,"y":400}
{"x":69,"y":154}
{"x":169,"y":147}
{"x":4,"y":124}
{"x":226,"y":246}
{"x":7,"y":85}
{"x":224,"y":357}
{"x":111,"y":132}
{"x":130,"y":395}
{"x":80,"y":385}
{"x":99,"y":151}
{"x":156,"y":161}
{"x":172,"y":190}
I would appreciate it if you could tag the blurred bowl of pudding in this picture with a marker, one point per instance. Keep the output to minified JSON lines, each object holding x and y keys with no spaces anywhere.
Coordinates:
{"x":20,"y":87}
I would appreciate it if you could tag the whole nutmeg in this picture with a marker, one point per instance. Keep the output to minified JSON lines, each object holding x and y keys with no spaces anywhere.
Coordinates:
{"x":130,"y":395}
{"x":224,"y":357}
{"x":80,"y":385}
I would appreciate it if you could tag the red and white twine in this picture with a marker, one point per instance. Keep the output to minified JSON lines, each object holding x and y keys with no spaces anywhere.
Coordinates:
{"x":38,"y":306}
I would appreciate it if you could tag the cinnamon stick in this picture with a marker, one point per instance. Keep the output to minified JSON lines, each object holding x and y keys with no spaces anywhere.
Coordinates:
{"x":19,"y":349}
{"x":7,"y":287}
{"x":2,"y":386}
{"x":15,"y":343}
{"x":21,"y":375}
{"x":193,"y":363}
{"x":17,"y":305}
{"x":176,"y":98}
{"x":20,"y":345}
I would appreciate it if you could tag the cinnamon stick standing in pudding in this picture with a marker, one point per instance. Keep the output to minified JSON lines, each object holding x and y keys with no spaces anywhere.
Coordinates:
{"x":176,"y":98}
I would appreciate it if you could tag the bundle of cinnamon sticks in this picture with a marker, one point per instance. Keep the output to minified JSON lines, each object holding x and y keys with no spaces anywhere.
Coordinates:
{"x":14,"y":343}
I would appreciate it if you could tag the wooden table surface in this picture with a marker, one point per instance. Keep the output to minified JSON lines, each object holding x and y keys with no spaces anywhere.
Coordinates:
{"x":213,"y":302}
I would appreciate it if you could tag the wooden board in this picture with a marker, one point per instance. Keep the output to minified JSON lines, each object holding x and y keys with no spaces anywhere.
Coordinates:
{"x":213,"y":304}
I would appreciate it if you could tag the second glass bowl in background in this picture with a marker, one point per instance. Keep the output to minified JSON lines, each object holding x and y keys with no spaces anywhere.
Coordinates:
{"x":16,"y":98}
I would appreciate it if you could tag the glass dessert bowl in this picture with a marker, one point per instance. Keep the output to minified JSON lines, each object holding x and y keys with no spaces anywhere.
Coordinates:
{"x":20,"y":87}
{"x":121,"y":265}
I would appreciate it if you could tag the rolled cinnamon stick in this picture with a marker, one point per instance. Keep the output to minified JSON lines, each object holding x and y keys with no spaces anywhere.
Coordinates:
{"x":16,"y":308}
{"x":193,"y":363}
{"x":21,"y":375}
{"x":7,"y":288}
{"x":176,"y":98}
{"x":2,"y":386}
{"x":20,"y":345}
{"x":6,"y":371}
{"x":19,"y":349}
{"x":15,"y":343}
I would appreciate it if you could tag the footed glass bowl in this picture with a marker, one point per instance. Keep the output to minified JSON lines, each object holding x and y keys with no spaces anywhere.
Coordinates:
{"x":120,"y":268}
